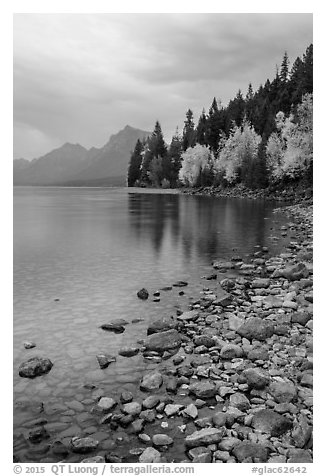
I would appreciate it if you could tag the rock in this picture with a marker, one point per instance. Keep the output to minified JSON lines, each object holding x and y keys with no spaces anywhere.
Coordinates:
{"x":172,"y":409}
{"x":256,"y":328}
{"x":259,"y":353}
{"x":160,"y":439}
{"x":180,"y":284}
{"x":283,"y":391}
{"x":126,"y":397}
{"x":133,"y":408}
{"x":111,"y":327}
{"x":203,"y":389}
{"x":143,"y":294}
{"x":113,"y":458}
{"x":83,"y":445}
{"x":36,"y":435}
{"x":223,"y":265}
{"x":94,"y":459}
{"x":35,"y":367}
{"x":151,"y":402}
{"x":256,"y":378}
{"x":204,"y":437}
{"x":227,"y":444}
{"x":292,"y":273}
{"x":144,"y":437}
{"x":301,"y":432}
{"x":227,"y":284}
{"x":200,"y":455}
{"x":189,"y":316}
{"x":161,"y":325}
{"x":129,"y":351}
{"x":171,"y":385}
{"x":261,"y":283}
{"x":29,"y":345}
{"x":300,"y":318}
{"x":299,"y":456}
{"x":246,"y":449}
{"x":268,"y":421}
{"x":231,"y":351}
{"x":240,"y":401}
{"x":225,"y":300}
{"x":190,"y":411}
{"x":205,"y":340}
{"x":151,"y":381}
{"x":162,"y":341}
{"x":104,"y":360}
{"x":235,"y":322}
{"x":137,"y":426}
{"x":150,"y":455}
{"x":105,"y":404}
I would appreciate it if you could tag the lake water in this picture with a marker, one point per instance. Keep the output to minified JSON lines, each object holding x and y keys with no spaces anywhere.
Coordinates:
{"x":80,"y":256}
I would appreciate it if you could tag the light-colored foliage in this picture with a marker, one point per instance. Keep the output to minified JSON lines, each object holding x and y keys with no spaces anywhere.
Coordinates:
{"x":289,"y":151}
{"x":235,"y":151}
{"x":195,"y":160}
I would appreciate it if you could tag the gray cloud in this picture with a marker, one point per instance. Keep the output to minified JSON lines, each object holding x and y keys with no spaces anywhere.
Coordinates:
{"x":82,"y":77}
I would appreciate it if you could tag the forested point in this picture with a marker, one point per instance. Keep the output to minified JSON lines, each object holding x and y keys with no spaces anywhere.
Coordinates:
{"x":262,"y":139}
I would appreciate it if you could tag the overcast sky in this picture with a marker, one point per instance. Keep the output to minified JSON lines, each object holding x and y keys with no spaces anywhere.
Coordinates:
{"x":82,"y":77}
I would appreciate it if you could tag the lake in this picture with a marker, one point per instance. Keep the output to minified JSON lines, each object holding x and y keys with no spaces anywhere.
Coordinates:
{"x":80,"y":256}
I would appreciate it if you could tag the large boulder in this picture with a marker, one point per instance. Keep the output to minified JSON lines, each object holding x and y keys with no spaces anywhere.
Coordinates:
{"x":256,"y":328}
{"x":34,"y":367}
{"x":268,"y":421}
{"x":246,"y":449}
{"x":204,"y":437}
{"x":162,"y":341}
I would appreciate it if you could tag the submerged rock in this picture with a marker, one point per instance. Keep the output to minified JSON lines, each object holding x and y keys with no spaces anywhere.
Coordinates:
{"x":129,"y":351}
{"x":112,"y":327}
{"x":150,"y":455}
{"x":104,"y":360}
{"x":34,"y":367}
{"x":152,"y":381}
{"x":83,"y":445}
{"x":143,"y":294}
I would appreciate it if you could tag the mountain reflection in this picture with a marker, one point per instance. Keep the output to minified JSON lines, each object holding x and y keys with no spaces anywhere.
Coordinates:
{"x":203,"y":226}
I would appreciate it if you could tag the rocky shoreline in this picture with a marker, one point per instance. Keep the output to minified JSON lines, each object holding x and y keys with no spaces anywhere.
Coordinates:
{"x":232,"y":377}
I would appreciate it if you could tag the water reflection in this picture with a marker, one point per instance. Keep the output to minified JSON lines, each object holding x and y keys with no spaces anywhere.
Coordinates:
{"x":201,"y":226}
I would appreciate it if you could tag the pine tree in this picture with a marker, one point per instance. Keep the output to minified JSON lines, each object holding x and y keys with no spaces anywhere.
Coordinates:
{"x":135,"y":164}
{"x":189,"y":134}
{"x":174,"y":155}
{"x":284,"y":74}
{"x":201,"y":129}
{"x":155,"y":148}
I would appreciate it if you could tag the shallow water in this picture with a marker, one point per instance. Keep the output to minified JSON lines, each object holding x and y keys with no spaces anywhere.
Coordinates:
{"x":81,"y":255}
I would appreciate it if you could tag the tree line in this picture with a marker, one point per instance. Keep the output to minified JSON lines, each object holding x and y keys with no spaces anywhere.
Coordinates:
{"x":258,"y":139}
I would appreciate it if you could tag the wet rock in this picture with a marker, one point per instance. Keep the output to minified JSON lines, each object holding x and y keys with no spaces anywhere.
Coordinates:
{"x":129,"y":351}
{"x":83,"y":445}
{"x":162,"y":341}
{"x":231,"y":351}
{"x":35,"y":367}
{"x":58,"y":448}
{"x":143,"y":294}
{"x":203,"y":389}
{"x":239,"y":401}
{"x":256,"y":377}
{"x":246,"y":449}
{"x":160,"y":439}
{"x":151,"y":381}
{"x":151,"y":402}
{"x":29,"y":345}
{"x":113,"y":458}
{"x":268,"y":421}
{"x":225,"y":300}
{"x":180,"y":284}
{"x":150,"y":455}
{"x":38,"y":434}
{"x":161,"y":325}
{"x":133,"y":408}
{"x":204,"y":437}
{"x":283,"y":391}
{"x":188,"y":316}
{"x":172,"y":409}
{"x":105,"y":404}
{"x":190,"y":411}
{"x":111,"y":327}
{"x":104,"y":360}
{"x":227,"y":284}
{"x":292,"y":273}
{"x":256,"y":328}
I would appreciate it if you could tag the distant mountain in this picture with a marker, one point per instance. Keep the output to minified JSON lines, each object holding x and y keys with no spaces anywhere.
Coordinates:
{"x":72,"y":164}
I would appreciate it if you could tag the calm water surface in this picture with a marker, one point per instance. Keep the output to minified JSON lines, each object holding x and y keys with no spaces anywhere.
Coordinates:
{"x":93,"y":249}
